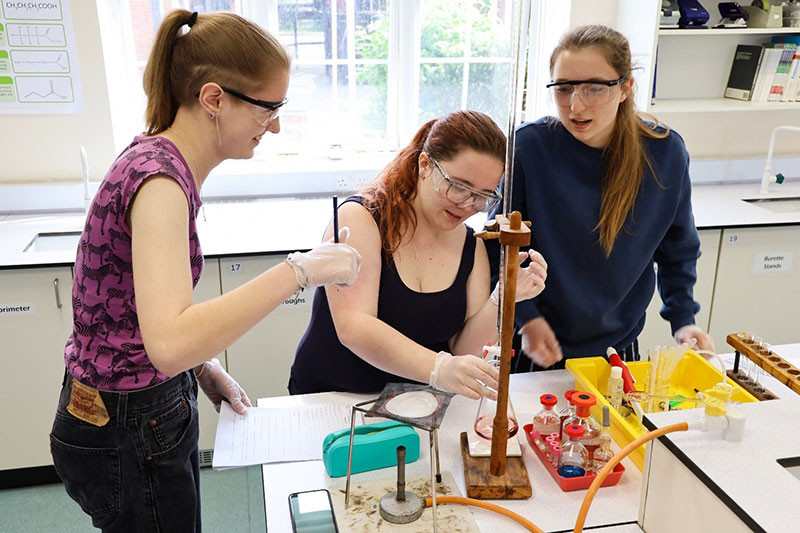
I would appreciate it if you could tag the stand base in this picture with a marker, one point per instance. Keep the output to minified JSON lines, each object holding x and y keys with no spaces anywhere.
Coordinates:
{"x":514,"y":484}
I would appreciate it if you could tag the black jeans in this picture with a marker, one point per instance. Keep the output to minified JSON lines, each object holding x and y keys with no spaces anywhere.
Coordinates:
{"x":139,"y":472}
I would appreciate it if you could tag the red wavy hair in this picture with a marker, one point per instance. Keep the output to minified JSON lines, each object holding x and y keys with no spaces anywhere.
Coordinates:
{"x":390,"y":195}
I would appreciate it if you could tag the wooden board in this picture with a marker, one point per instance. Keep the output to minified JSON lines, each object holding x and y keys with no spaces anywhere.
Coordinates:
{"x":481,"y":484}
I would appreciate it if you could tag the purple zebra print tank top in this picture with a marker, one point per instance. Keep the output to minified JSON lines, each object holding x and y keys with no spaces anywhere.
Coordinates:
{"x":105,"y":349}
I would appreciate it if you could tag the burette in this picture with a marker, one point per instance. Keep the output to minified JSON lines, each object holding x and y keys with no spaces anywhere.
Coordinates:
{"x":519,"y":46}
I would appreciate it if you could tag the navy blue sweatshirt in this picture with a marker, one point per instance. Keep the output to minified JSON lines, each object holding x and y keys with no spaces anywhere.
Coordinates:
{"x":592,"y":301}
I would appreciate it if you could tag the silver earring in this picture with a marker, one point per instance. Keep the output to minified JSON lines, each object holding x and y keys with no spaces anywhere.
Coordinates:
{"x":216,"y":122}
{"x":211,"y":116}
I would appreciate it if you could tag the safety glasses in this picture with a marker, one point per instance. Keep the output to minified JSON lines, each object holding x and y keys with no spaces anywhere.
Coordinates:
{"x":591,"y":92}
{"x":460,"y":194}
{"x":263,"y":112}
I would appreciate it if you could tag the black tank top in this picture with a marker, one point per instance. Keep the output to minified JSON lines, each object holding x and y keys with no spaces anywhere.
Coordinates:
{"x":323,"y":364}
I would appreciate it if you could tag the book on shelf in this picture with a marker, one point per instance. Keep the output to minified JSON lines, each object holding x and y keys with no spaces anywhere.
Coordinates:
{"x":780,"y":78}
{"x":765,"y":73}
{"x":792,"y":91}
{"x":742,"y":78}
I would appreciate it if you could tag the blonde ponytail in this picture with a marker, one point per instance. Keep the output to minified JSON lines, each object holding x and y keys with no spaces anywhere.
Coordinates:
{"x":218,"y":47}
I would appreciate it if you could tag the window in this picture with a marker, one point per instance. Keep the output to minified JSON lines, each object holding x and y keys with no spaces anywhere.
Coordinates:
{"x":366,"y":73}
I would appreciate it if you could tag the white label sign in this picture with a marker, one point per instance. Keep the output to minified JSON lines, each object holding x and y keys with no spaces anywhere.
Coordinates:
{"x":301,"y":298}
{"x":766,"y":263}
{"x":235,"y":268}
{"x":22,"y":309}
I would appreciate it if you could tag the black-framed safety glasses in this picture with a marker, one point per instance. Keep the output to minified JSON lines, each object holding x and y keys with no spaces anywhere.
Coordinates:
{"x":463,"y":195}
{"x":264,"y":112}
{"x":591,"y":92}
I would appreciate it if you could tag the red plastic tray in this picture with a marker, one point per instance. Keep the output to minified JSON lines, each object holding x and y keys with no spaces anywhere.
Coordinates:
{"x":570,"y":483}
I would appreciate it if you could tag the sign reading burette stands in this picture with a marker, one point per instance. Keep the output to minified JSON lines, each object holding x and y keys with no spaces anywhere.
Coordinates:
{"x":38,"y":58}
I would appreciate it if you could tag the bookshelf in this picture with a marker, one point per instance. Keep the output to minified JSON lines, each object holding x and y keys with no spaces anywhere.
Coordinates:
{"x":713,"y":105}
{"x":689,"y":70}
{"x":675,"y":32}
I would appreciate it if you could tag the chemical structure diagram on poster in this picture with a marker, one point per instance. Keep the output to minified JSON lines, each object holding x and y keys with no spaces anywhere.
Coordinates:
{"x":38,"y":58}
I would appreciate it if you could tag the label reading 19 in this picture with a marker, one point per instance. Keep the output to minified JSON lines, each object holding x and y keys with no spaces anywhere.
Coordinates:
{"x":733,"y":238}
{"x":235,"y":268}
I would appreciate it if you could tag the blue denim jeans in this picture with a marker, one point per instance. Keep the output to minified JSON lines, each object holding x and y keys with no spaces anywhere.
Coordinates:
{"x":140,"y":471}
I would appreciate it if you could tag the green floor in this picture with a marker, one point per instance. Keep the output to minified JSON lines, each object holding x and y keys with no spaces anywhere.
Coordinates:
{"x":232,"y":500}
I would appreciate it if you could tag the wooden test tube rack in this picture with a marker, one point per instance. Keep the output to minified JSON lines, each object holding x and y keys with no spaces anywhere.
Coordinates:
{"x":774,"y":364}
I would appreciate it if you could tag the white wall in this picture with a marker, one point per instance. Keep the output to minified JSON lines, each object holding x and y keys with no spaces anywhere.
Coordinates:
{"x":37,"y":148}
{"x":593,"y":12}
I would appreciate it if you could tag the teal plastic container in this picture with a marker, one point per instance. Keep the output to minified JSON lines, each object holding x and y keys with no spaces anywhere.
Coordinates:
{"x":374,"y":446}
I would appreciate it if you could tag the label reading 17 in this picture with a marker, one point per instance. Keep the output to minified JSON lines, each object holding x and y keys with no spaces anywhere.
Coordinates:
{"x":235,"y":268}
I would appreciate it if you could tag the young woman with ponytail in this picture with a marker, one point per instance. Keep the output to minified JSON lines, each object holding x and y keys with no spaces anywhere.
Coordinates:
{"x":124,"y":439}
{"x":423,"y":290}
{"x":609,"y":195}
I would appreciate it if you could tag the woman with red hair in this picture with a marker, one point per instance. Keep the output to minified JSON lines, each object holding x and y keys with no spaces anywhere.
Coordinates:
{"x":423,"y":290}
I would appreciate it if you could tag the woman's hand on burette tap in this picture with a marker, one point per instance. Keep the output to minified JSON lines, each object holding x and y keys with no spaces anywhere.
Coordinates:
{"x":530,"y":279}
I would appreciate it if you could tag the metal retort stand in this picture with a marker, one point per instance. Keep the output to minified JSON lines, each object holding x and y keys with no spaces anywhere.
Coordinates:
{"x":429,"y":423}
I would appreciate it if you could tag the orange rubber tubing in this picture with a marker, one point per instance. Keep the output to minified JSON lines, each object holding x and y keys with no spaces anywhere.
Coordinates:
{"x":485,"y":505}
{"x":623,"y":453}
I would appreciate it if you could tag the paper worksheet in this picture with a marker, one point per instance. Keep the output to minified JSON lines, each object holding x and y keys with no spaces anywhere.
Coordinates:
{"x":275,"y":435}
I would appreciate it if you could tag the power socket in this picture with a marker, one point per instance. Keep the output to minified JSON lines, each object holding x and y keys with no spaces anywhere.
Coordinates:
{"x":352,"y":182}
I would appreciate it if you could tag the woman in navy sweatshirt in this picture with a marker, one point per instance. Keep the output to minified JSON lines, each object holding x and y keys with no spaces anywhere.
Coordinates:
{"x":609,"y":196}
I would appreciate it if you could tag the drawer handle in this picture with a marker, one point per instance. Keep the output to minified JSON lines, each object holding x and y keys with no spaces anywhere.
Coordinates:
{"x":55,"y":288}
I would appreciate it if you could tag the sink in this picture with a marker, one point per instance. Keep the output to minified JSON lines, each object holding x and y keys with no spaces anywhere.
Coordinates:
{"x":792,"y":464}
{"x":54,"y":242}
{"x":777,"y":205}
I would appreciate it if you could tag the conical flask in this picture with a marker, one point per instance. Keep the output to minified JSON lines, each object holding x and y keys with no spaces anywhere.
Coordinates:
{"x":484,"y":420}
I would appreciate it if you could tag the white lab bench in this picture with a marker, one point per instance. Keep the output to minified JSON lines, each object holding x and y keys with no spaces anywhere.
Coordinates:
{"x":718,"y":485}
{"x":696,"y":482}
{"x":549,"y":508}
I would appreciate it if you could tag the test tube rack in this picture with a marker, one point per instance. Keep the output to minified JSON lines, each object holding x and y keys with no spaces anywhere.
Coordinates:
{"x":764,"y":357}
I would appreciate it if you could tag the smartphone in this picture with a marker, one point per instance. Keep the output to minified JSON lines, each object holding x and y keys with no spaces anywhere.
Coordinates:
{"x":312,"y":512}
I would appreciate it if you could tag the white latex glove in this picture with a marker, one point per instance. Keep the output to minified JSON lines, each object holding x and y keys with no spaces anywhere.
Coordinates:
{"x":530,"y":280}
{"x":327,"y":263}
{"x":539,"y":342}
{"x":689,"y":332}
{"x":468,"y":375}
{"x":219,"y":385}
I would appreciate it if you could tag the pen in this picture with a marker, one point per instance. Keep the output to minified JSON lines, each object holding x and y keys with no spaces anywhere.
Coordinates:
{"x":335,"y":218}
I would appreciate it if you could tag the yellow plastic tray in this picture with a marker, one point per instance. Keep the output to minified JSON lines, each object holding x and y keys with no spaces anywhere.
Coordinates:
{"x":693,"y":372}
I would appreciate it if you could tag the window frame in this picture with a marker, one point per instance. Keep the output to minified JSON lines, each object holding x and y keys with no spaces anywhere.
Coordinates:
{"x":347,"y":170}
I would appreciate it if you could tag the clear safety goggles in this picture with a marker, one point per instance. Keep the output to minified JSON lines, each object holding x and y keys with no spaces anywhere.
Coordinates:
{"x":591,"y":92}
{"x":460,"y":194}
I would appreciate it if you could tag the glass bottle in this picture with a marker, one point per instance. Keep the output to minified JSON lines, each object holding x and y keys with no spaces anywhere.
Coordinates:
{"x":484,"y":420}
{"x":566,"y":412}
{"x":574,"y":458}
{"x":547,"y":421}
{"x":583,"y":417}
{"x":614,"y":388}
{"x":603,"y":453}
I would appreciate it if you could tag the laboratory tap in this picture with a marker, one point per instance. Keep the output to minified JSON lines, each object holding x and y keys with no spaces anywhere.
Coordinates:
{"x":766,"y":176}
